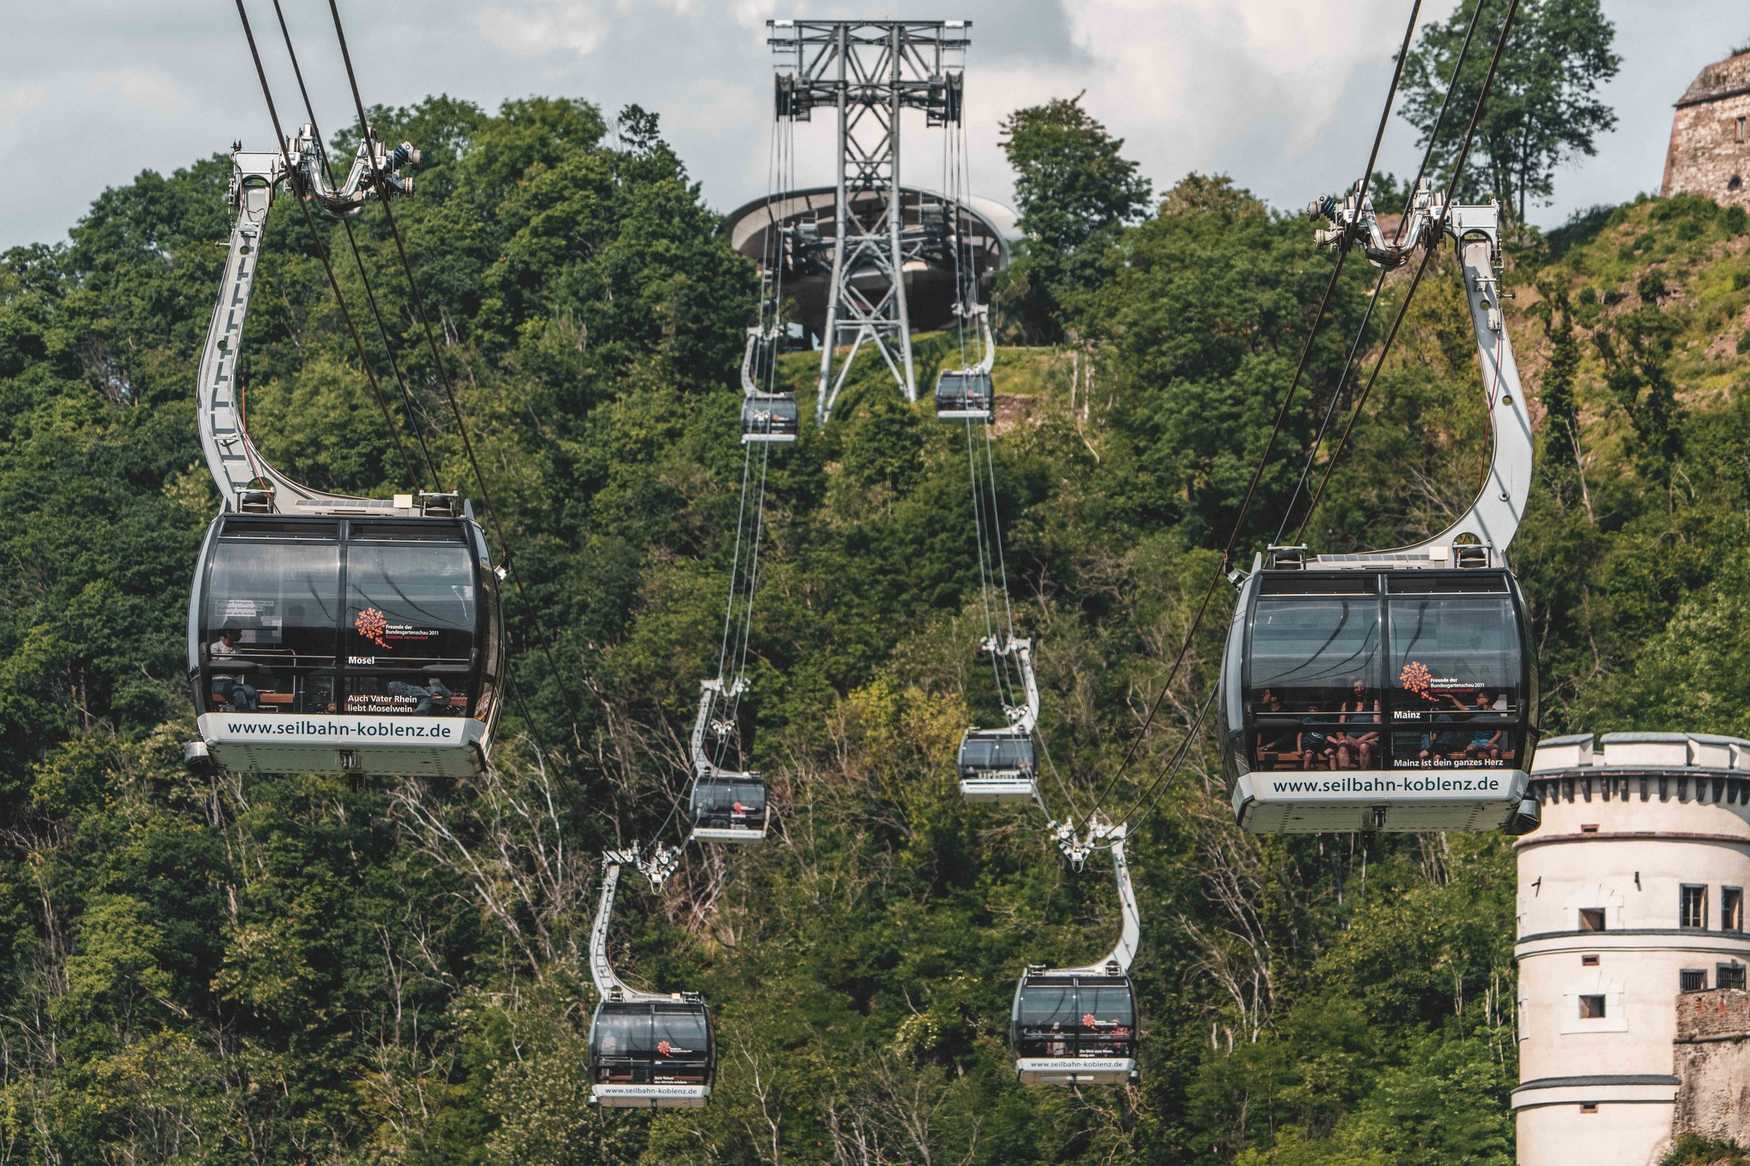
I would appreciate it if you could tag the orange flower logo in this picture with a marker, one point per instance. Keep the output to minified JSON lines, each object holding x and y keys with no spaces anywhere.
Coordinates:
{"x":1416,"y":677}
{"x":372,"y":624}
{"x":663,"y":1048}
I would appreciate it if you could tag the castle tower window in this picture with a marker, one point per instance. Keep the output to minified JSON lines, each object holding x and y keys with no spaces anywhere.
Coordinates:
{"x":1692,"y":907}
{"x":1591,"y":918}
{"x":1729,"y":976}
{"x":1743,"y":127}
{"x":1589,"y":961}
{"x":1731,"y":908}
{"x":1735,"y":182}
{"x":1588,"y":1107}
{"x":1591,"y":1008}
{"x":1692,"y":980}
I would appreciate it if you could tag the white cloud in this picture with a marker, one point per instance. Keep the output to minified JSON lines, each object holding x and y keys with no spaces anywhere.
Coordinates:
{"x":544,"y":28}
{"x":143,"y":90}
{"x":18,"y":101}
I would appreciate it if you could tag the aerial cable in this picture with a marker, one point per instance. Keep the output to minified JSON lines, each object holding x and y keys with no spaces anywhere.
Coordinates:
{"x":1276,"y":427}
{"x":322,"y":254}
{"x":1149,"y":798}
{"x":417,"y":302}
{"x":1378,"y":285}
{"x":358,"y":260}
{"x":1427,"y":256}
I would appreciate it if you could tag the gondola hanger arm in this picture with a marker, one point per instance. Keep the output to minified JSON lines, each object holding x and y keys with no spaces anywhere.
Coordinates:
{"x":246,"y":481}
{"x":1483,"y":532}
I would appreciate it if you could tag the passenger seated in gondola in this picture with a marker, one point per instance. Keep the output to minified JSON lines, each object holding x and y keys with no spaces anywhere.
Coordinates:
{"x":1358,"y":738}
{"x":1274,"y":742}
{"x":433,"y":691}
{"x":1314,"y":746}
{"x":1485,"y":745}
{"x":230,"y":689}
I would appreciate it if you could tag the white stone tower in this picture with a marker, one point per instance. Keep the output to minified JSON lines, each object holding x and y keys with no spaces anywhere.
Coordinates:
{"x":1631,"y":892}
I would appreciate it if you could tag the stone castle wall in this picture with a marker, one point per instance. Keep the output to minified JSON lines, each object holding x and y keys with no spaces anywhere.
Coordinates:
{"x":1709,"y":152}
{"x":1713,"y":1064}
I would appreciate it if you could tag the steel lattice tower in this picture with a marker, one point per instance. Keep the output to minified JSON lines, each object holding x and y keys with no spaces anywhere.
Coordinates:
{"x":869,"y":71}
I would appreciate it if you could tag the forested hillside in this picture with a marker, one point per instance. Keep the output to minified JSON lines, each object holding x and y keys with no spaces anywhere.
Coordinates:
{"x":317,"y":970}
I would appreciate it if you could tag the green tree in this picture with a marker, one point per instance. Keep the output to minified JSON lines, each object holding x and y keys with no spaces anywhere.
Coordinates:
{"x":1543,"y":108}
{"x":1075,"y":192}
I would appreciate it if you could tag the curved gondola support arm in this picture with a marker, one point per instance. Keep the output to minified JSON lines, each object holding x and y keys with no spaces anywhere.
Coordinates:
{"x":710,"y":692}
{"x":756,"y":336}
{"x":601,"y":968}
{"x":1023,"y":717}
{"x":1493,"y":518}
{"x":1130,"y":934}
{"x":987,"y":342}
{"x":245,"y":480}
{"x":1104,"y":835}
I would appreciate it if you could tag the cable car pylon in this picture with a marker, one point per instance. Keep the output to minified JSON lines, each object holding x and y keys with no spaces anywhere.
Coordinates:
{"x":1396,"y":690}
{"x":397,"y":670}
{"x":647,"y":1050}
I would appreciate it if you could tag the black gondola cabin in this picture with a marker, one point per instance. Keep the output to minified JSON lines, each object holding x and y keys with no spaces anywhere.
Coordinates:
{"x":729,"y":807}
{"x":996,"y":765}
{"x":652,"y":1054}
{"x":1074,"y":1027}
{"x":965,"y":395}
{"x":359,"y":644}
{"x":769,"y":417}
{"x":1379,"y":699}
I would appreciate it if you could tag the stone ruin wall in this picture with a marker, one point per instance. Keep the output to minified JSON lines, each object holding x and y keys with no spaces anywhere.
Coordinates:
{"x":1706,"y":155}
{"x":1713,"y":1064}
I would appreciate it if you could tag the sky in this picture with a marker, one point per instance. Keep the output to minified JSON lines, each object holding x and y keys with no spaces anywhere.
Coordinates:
{"x":1282,"y":95}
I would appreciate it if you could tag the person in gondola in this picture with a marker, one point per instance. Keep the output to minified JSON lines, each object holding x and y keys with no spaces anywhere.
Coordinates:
{"x":234,"y":690}
{"x":1483,"y":744}
{"x":425,"y":696}
{"x":1352,"y":740}
{"x":1278,"y":742}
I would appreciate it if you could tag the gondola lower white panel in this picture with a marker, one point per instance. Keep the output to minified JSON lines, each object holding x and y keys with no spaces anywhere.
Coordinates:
{"x":1075,"y":1070}
{"x":1390,"y":800}
{"x":1002,"y":788}
{"x":650,"y":1096}
{"x":727,"y":834}
{"x":309,"y":742}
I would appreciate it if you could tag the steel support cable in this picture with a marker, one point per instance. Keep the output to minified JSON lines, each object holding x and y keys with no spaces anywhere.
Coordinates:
{"x":983,"y":560}
{"x":734,"y":562}
{"x":1379,"y":283}
{"x":1276,"y":427}
{"x":358,"y":260}
{"x":1427,"y":255}
{"x":753,"y":571}
{"x":418,"y":303}
{"x":1146,"y":802}
{"x":322,"y":252}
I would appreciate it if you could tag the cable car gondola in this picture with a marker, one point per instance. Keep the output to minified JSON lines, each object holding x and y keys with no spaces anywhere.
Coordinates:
{"x":769,"y":417}
{"x":765,"y":416}
{"x":1396,"y":690}
{"x":996,"y":765}
{"x":969,"y":394}
{"x":328,"y":633}
{"x":999,"y":765}
{"x":362,"y":644}
{"x":726,"y":805}
{"x":647,"y":1050}
{"x":965,"y":395}
{"x":652,"y":1054}
{"x":1078,"y":1026}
